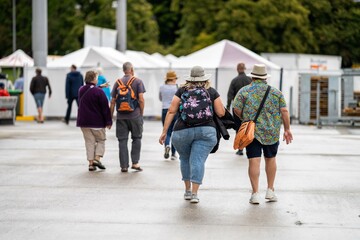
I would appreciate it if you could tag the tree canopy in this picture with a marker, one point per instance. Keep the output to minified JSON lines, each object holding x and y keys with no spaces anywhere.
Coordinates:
{"x":182,"y":26}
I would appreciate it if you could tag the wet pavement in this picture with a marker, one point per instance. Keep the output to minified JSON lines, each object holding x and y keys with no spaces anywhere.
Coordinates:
{"x":46,"y":191}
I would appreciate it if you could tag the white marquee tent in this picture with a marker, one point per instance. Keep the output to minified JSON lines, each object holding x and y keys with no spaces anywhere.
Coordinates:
{"x":147,"y":68}
{"x":223,"y":54}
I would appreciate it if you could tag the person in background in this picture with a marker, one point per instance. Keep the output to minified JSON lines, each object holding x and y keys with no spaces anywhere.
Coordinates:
{"x":129,"y":122}
{"x":267,"y":130}
{"x":38,"y":86}
{"x":193,"y":142}
{"x":3,"y":91}
{"x":166,"y":94}
{"x":7,"y":83}
{"x":19,"y":83}
{"x":240,"y":81}
{"x":93,"y":116}
{"x":103,"y":83}
{"x":2,"y":75}
{"x":74,"y":80}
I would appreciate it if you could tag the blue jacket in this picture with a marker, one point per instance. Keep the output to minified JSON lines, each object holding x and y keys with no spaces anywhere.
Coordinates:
{"x":102,"y":80}
{"x":74,"y":80}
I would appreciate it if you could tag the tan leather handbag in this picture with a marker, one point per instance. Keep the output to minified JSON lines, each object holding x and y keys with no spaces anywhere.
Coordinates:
{"x":246,"y":132}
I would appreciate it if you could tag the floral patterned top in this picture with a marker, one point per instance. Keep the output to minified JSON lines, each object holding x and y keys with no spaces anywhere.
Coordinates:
{"x":248,"y":99}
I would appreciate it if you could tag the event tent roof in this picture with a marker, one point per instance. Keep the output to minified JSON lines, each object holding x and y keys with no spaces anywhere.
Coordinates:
{"x":17,"y":59}
{"x":91,"y":57}
{"x":223,"y":54}
{"x":107,"y":57}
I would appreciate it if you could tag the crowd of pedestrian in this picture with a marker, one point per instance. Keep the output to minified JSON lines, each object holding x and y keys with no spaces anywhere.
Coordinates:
{"x":193,"y":117}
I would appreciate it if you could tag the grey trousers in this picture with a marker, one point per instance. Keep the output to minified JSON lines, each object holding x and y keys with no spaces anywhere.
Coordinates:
{"x":94,"y":142}
{"x":123,"y":128}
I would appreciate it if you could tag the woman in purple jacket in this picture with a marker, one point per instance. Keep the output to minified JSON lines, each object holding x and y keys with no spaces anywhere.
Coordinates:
{"x":93,"y":116}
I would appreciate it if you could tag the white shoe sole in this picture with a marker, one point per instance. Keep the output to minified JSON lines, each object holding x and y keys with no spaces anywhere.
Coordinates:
{"x":271,"y":199}
{"x":194,"y":200}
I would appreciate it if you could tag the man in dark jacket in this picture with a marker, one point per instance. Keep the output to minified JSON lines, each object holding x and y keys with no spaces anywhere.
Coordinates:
{"x":236,"y":84}
{"x":74,"y":80}
{"x":38,"y":86}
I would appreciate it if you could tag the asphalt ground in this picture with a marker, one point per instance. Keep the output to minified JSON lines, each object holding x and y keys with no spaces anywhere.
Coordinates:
{"x":46,"y":191}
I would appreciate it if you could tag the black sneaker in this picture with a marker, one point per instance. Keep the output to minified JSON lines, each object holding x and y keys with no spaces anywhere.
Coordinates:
{"x":239,"y":152}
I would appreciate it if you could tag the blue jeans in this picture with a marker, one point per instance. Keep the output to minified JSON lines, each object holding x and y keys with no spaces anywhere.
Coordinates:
{"x":194,"y":146}
{"x":170,"y":129}
{"x":39,"y":99}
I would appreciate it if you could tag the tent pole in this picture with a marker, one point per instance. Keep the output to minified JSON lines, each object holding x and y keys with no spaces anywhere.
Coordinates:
{"x":281,"y":79}
{"x":216,"y":77}
{"x":14,"y":34}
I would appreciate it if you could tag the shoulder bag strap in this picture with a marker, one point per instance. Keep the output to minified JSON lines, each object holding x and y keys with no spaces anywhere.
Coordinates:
{"x":262,"y":103}
{"x":85,"y":94}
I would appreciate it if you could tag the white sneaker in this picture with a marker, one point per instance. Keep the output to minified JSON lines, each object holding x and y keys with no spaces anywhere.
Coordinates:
{"x":187,"y":195}
{"x":255,"y":198}
{"x":173,"y":157}
{"x":194,"y":198}
{"x":270,"y":195}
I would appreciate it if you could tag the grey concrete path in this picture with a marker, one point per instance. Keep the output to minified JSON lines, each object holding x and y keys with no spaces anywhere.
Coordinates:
{"x":47,"y":193}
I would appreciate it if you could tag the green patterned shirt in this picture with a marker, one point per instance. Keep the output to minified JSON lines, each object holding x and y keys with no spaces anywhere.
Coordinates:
{"x":248,"y":99}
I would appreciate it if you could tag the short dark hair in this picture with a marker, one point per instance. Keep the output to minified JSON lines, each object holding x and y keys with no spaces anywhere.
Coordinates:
{"x":38,"y":71}
{"x":90,"y":76}
{"x":2,"y":85}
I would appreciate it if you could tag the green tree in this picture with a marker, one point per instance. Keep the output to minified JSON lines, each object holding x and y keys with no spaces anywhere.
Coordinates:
{"x":23,"y":27}
{"x":266,"y":25}
{"x":197,"y":25}
{"x":143,"y":30}
{"x":336,"y":28}
{"x":168,"y":19}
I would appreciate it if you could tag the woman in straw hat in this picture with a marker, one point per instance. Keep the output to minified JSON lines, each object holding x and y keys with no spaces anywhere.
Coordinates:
{"x":193,"y":142}
{"x":166,"y":94}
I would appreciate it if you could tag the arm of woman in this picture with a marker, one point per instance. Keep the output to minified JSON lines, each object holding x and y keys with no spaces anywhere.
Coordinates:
{"x":219,"y":107}
{"x":175,"y":103}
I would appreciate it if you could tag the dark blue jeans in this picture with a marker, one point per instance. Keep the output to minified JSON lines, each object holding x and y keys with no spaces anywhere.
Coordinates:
{"x":68,"y":111}
{"x":170,"y":130}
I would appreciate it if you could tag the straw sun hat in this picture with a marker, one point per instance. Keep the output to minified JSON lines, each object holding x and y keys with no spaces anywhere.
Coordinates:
{"x":170,"y":75}
{"x":259,"y":71}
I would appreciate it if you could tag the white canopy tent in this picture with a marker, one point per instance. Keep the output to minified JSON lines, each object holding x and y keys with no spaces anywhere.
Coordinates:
{"x":171,"y":58}
{"x":17,"y":59}
{"x":91,"y":57}
{"x":221,"y":59}
{"x":110,"y":60}
{"x":162,"y":59}
{"x":223,"y":54}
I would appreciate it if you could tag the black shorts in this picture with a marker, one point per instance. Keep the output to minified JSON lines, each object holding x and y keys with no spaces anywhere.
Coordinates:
{"x":253,"y":150}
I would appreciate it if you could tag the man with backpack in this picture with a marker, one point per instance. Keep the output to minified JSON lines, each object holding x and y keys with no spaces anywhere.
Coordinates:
{"x":128,"y":99}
